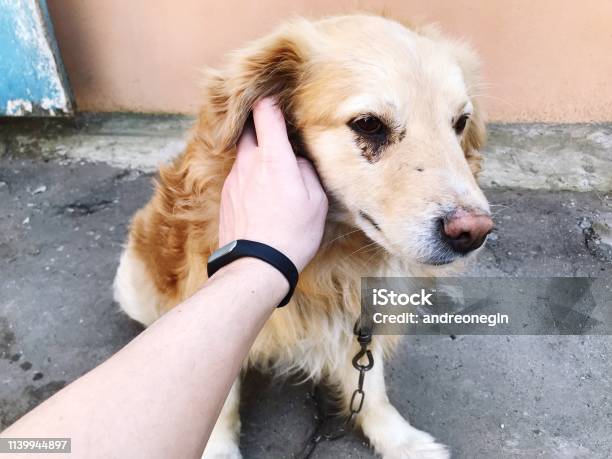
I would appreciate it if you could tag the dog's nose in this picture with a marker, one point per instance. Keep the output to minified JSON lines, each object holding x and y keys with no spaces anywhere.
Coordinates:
{"x":466,"y":231}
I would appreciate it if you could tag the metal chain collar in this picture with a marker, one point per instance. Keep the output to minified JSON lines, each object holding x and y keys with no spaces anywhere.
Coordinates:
{"x":364,"y":338}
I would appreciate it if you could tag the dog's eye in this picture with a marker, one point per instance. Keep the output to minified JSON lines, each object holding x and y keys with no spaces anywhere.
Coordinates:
{"x":368,"y":125}
{"x":460,"y":124}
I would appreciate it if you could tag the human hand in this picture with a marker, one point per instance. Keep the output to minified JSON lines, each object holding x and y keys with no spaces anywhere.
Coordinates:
{"x":270,"y":196}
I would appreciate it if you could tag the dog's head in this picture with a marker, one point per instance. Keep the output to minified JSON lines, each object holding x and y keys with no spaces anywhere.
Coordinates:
{"x":388,"y":116}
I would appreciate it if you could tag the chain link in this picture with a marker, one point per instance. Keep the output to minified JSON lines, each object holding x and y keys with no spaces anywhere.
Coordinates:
{"x":364,"y":338}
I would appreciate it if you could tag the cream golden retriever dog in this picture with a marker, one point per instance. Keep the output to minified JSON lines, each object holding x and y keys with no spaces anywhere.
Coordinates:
{"x":390,"y":119}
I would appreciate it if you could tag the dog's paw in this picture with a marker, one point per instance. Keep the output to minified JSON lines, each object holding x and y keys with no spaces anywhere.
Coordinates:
{"x":419,"y":445}
{"x":431,"y":450}
{"x":221,"y":450}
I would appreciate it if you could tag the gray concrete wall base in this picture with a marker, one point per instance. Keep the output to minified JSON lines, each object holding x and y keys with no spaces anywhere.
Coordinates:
{"x":574,"y":157}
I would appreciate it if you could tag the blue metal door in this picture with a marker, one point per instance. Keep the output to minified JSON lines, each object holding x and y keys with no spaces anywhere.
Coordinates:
{"x":32,"y":77}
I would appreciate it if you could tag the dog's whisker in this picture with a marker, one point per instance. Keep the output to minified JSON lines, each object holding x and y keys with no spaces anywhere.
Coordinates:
{"x":356,"y":230}
{"x":374,"y":253}
{"x":361,"y":249}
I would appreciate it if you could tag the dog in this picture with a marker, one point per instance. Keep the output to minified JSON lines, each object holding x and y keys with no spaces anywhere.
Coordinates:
{"x":389,"y":116}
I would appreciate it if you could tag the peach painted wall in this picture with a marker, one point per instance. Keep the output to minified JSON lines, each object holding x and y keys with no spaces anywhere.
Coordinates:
{"x":544,"y":60}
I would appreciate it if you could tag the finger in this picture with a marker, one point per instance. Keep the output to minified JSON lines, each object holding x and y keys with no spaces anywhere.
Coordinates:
{"x":247,"y":143}
{"x":247,"y":140}
{"x":271,"y":130}
{"x":310,"y":178}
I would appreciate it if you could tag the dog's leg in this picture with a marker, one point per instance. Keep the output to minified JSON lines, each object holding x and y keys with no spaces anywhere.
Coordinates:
{"x":223,"y":441}
{"x":389,"y":433}
{"x":134,"y":289}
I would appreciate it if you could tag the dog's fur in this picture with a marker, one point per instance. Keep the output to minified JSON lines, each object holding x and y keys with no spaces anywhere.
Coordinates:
{"x":384,"y":197}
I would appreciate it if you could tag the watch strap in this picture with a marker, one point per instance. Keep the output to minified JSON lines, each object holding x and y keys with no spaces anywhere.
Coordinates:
{"x":242,"y":248}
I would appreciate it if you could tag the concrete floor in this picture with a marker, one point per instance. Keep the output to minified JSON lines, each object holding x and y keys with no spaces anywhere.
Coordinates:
{"x":61,"y":230}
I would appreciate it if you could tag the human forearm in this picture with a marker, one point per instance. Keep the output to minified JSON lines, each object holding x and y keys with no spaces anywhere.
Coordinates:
{"x":171,"y":381}
{"x":161,"y":394}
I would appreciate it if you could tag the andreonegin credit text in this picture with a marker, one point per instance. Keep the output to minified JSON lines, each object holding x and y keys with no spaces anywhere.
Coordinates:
{"x":385,"y":297}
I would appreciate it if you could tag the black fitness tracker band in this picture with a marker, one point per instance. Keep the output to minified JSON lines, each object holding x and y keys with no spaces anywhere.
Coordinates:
{"x":242,"y":248}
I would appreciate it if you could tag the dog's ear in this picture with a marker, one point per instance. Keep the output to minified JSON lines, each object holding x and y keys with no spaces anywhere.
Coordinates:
{"x":271,"y":66}
{"x":474,"y":138}
{"x":475,"y":134}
